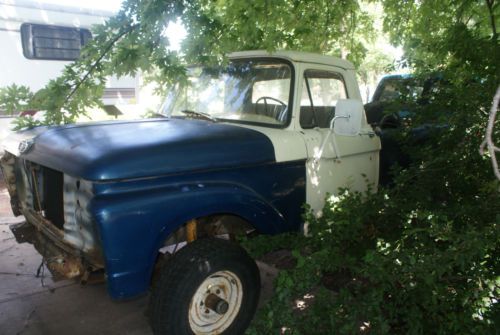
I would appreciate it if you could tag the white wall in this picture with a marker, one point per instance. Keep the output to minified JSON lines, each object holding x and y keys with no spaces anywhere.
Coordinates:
{"x":14,"y":67}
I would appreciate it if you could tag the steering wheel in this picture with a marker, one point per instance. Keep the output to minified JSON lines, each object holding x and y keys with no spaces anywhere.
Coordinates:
{"x":266,"y":98}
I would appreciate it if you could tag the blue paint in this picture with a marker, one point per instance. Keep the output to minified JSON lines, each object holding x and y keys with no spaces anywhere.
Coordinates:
{"x":136,"y":149}
{"x":135,"y":217}
{"x":151,"y":177}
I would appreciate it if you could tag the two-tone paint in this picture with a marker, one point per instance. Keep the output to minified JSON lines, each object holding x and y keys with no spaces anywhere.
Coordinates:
{"x":143,"y":187}
{"x":133,"y":184}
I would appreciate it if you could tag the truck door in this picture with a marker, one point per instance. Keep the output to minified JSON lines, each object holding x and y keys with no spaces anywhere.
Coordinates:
{"x":333,"y":161}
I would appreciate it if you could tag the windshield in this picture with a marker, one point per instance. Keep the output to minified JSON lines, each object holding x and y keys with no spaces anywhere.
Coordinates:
{"x":397,"y":88}
{"x":248,"y":91}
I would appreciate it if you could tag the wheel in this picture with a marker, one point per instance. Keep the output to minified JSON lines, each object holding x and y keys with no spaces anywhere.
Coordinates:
{"x":211,"y":286}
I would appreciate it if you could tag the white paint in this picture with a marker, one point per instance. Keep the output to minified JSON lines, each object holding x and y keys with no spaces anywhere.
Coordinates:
{"x":16,"y":69}
{"x":356,"y":169}
{"x":108,"y":5}
{"x":333,"y":161}
{"x":297,"y":57}
{"x":348,"y":116}
{"x":326,"y":171}
{"x":338,"y":160}
{"x":288,"y":144}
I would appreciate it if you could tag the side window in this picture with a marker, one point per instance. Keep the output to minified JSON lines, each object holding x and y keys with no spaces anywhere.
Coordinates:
{"x":53,"y":42}
{"x":320,"y":92}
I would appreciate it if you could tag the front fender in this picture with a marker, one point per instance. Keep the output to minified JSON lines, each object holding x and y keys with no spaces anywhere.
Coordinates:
{"x":134,"y":225}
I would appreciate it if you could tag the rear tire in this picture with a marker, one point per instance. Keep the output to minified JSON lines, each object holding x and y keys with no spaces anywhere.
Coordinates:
{"x":211,"y":286}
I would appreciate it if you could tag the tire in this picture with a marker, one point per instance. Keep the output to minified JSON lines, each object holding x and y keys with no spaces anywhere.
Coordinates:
{"x":211,"y":286}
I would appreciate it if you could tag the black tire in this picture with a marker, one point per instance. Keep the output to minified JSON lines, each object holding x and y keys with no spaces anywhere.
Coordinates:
{"x":181,"y":278}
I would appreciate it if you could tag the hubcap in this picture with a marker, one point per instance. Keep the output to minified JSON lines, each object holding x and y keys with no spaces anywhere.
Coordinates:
{"x":215,"y":303}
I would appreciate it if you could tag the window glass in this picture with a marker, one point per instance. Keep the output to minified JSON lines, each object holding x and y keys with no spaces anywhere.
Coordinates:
{"x":276,"y":89}
{"x":247,"y":91}
{"x":53,"y":42}
{"x":397,"y":88}
{"x":320,"y":92}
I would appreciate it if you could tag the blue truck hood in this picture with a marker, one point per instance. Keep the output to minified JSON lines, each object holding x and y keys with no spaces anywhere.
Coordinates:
{"x":136,"y":149}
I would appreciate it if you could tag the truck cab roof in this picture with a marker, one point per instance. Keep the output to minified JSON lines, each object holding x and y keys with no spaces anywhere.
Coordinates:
{"x":296,"y":56}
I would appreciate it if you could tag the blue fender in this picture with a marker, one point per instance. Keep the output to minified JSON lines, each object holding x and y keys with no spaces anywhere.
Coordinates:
{"x":134,"y":222}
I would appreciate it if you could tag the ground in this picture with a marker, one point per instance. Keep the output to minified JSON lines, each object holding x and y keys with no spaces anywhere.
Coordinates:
{"x":36,"y":305}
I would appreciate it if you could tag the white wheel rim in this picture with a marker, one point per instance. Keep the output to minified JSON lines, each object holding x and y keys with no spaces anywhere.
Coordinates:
{"x":225,"y":285}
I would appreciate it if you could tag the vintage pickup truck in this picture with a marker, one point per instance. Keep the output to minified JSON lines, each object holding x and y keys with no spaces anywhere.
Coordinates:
{"x":239,"y":149}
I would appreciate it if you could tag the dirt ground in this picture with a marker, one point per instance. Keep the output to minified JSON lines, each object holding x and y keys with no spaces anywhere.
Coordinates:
{"x":38,"y":305}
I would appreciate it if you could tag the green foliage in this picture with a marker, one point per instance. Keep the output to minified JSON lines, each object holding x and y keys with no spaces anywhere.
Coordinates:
{"x":422,"y":257}
{"x":15,"y":99}
{"x":389,"y":263}
{"x":133,"y":41}
{"x":121,"y":46}
{"x":319,"y":26}
{"x":376,"y":63}
{"x":435,"y":32}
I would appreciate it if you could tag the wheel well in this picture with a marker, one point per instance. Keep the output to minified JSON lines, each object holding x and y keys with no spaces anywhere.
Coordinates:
{"x":223,"y":225}
{"x":210,"y":226}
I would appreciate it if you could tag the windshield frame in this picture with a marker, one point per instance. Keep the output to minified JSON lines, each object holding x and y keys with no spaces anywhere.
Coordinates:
{"x":290,"y":93}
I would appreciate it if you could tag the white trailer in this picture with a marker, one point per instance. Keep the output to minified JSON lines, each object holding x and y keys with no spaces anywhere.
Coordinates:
{"x":37,"y":40}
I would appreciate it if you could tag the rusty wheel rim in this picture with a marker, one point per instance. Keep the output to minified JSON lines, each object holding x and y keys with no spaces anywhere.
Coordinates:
{"x":216,"y":303}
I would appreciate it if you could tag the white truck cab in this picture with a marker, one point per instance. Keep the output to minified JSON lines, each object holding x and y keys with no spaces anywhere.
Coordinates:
{"x":335,"y":159}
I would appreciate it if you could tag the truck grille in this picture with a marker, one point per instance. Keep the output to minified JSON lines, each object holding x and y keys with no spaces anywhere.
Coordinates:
{"x":53,"y":182}
{"x":56,"y":203}
{"x":41,"y":188}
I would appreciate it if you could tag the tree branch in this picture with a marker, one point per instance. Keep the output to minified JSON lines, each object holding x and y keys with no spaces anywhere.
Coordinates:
{"x":104,"y":53}
{"x":488,"y":140}
{"x":489,"y":4}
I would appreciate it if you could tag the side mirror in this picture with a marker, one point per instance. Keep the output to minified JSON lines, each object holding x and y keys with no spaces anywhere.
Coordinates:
{"x":348,"y":117}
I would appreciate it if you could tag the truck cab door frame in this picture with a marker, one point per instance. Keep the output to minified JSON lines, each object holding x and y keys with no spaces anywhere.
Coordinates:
{"x":343,"y":161}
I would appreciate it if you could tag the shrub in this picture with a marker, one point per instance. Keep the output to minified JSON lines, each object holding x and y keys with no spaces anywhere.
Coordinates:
{"x":421,"y":257}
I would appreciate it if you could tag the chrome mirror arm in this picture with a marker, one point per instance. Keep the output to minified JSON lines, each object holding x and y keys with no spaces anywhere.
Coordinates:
{"x":325,"y":140}
{"x":335,"y":118}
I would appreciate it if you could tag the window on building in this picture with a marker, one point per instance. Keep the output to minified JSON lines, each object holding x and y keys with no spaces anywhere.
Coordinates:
{"x":53,"y":42}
